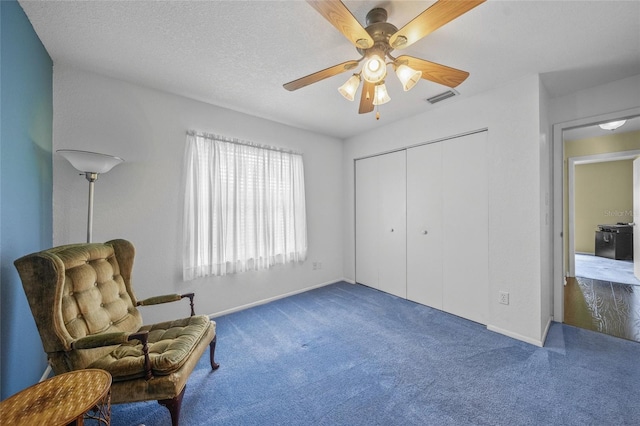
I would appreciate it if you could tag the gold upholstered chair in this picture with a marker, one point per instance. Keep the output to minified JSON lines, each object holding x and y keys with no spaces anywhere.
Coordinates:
{"x":86,"y":313}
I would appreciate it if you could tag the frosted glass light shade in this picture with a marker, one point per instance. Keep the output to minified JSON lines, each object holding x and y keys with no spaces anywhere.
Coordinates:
{"x":374,"y":69}
{"x":348,"y":90}
{"x":381,"y":96}
{"x":90,"y":162}
{"x":408,"y":76}
{"x":612,"y":125}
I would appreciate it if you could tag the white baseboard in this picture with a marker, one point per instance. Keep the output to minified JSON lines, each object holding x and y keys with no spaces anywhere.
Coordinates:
{"x":271,"y":299}
{"x":536,"y":342}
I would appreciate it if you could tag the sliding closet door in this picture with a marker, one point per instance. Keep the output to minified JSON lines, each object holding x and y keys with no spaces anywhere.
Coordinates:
{"x":392,"y":246}
{"x":367,"y":218}
{"x":424,"y":225}
{"x":465,"y":227}
{"x":381,"y":222}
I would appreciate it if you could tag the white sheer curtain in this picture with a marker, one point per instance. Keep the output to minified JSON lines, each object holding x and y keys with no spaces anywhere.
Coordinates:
{"x":244,"y":206}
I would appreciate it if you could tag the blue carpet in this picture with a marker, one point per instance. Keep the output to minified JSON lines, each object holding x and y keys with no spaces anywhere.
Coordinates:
{"x":349,"y":355}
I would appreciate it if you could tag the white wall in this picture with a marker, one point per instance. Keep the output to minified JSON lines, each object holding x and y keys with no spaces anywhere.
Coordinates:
{"x":512,"y":115}
{"x":141,"y":199}
{"x":607,"y":98}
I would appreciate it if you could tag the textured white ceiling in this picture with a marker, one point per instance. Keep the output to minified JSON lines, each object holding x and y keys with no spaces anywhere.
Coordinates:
{"x":237,"y":54}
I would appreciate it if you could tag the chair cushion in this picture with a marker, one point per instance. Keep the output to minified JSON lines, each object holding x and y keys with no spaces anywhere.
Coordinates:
{"x":170,"y":345}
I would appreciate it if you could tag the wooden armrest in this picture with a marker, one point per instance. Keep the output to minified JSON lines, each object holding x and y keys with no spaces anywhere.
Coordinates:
{"x":156,"y":300}
{"x":143,"y":336}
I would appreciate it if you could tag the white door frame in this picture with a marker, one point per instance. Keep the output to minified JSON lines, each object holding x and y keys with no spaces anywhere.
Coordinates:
{"x":636,"y":218}
{"x":558,"y":194}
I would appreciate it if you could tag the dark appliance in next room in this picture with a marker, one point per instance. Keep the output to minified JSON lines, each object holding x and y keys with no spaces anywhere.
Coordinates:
{"x":615,"y":241}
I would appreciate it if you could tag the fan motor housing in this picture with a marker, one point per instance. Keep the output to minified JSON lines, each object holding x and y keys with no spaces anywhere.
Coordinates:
{"x":380,"y":30}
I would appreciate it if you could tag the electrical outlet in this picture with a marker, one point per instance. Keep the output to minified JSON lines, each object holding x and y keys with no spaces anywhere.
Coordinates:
{"x":319,"y":265}
{"x":315,"y":265}
{"x":503,"y":297}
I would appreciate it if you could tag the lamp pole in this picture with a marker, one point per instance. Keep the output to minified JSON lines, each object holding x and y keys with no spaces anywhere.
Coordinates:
{"x":91,"y":177}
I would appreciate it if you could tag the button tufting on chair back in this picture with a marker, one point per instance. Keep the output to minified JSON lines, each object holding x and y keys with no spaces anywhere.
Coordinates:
{"x":94,"y":297}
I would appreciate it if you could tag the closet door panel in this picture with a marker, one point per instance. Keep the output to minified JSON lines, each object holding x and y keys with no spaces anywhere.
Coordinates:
{"x":367,"y":218}
{"x":392,"y":265}
{"x":465,"y":227}
{"x":424,"y":225}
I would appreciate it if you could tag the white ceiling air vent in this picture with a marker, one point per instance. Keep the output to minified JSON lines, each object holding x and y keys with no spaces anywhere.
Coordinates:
{"x":442,"y":96}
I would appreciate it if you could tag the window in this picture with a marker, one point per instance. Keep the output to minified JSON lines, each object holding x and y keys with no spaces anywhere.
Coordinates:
{"x":244,"y":206}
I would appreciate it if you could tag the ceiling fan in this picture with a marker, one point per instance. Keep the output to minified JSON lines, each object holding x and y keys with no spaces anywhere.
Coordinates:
{"x":376,"y":42}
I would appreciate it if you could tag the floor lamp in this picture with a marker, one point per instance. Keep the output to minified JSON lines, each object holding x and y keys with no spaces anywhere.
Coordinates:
{"x":91,"y":164}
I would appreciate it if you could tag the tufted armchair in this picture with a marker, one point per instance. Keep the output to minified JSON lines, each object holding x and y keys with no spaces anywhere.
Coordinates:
{"x":86,"y":313}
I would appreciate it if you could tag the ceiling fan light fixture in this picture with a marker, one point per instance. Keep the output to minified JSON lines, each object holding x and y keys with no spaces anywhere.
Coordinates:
{"x":374,"y":69}
{"x":613,"y":125}
{"x":408,"y":76}
{"x":381,"y":96}
{"x":376,"y":41}
{"x":348,"y":89}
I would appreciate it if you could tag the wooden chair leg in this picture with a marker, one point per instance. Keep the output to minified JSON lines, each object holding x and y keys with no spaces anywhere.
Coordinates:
{"x":174,"y":405}
{"x":212,"y":350}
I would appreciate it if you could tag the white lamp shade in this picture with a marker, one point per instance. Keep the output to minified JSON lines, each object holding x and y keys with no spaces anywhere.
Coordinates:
{"x":374,"y":69}
{"x":612,"y":125}
{"x":90,"y":162}
{"x":381,"y":96}
{"x":408,"y":76}
{"x":348,"y":90}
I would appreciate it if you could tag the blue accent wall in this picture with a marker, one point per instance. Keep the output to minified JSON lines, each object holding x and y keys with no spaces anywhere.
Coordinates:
{"x":26,"y":186}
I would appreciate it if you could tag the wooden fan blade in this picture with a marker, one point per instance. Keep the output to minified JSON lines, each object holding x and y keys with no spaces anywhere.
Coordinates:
{"x":430,"y":20}
{"x":366,"y":99}
{"x":320,"y":75}
{"x":431,"y":71}
{"x":339,"y":16}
